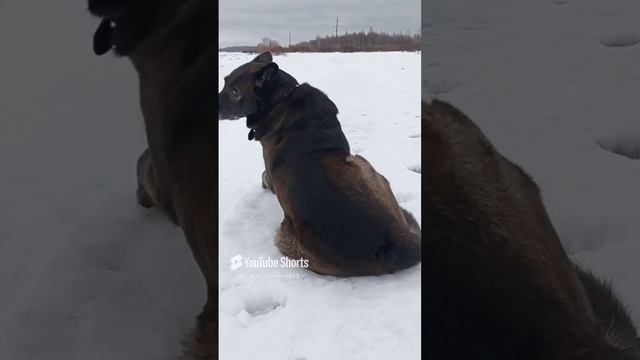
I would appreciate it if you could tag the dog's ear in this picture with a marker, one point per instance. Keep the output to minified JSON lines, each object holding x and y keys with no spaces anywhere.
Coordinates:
{"x":264,"y":58}
{"x":103,"y":38}
{"x":266,"y":73}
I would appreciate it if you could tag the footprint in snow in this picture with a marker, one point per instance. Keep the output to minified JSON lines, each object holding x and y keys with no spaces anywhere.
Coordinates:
{"x":262,"y":305}
{"x":621,"y":40}
{"x":629,"y":148}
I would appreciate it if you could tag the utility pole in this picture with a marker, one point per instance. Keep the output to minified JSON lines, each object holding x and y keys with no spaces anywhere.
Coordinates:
{"x":289,"y":39}
{"x":337,"y":25}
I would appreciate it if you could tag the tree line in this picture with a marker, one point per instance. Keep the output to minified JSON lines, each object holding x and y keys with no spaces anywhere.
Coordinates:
{"x":349,"y":42}
{"x":360,"y":41}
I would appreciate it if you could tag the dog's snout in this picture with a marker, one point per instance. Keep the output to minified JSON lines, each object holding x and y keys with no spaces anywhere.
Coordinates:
{"x":228,"y":109}
{"x":224,"y":110}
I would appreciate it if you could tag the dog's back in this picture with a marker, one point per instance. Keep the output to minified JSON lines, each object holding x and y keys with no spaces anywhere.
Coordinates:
{"x":342,"y":211}
{"x":497,"y":283}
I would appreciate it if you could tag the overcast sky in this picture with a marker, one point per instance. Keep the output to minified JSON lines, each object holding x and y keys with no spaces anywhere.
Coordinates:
{"x":246,"y":22}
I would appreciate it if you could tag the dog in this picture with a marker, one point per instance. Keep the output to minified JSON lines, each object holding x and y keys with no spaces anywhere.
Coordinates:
{"x":171,"y":45}
{"x":339,"y":213}
{"x":497,"y":281}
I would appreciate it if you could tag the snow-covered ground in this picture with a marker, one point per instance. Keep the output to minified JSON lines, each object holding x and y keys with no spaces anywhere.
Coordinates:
{"x":294,"y":313}
{"x":554,"y":84}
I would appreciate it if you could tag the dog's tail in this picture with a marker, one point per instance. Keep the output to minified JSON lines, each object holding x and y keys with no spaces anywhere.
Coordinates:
{"x":614,"y":323}
{"x":413,"y":224}
{"x":404,"y":250}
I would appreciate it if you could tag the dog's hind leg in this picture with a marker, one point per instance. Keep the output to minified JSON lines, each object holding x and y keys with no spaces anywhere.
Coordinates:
{"x":285,"y":238}
{"x":291,"y":247}
{"x":411,"y":221}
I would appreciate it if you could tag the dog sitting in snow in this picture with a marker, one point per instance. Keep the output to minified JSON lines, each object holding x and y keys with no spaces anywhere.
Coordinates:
{"x":497,"y":283}
{"x":339,"y":213}
{"x":171,"y":44}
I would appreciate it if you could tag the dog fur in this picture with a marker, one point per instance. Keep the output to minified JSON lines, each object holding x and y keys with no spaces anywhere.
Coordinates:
{"x":171,"y":45}
{"x":497,"y":283}
{"x":339,"y":213}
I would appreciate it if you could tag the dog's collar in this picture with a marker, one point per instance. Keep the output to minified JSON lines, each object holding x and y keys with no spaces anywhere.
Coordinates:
{"x":291,"y":90}
{"x":252,"y":132}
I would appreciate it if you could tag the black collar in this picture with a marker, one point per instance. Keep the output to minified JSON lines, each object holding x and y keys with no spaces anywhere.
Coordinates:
{"x":252,"y":132}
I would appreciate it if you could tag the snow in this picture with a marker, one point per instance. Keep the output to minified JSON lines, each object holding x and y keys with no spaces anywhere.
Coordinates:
{"x":555,"y":85}
{"x":294,"y":313}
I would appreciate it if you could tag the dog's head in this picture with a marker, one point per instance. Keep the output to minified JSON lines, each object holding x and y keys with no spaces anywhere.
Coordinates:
{"x":127,"y":23}
{"x":243,"y":89}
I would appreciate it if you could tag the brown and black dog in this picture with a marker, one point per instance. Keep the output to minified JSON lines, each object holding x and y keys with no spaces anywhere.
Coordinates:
{"x":497,"y":283}
{"x":339,"y":213}
{"x":171,"y":44}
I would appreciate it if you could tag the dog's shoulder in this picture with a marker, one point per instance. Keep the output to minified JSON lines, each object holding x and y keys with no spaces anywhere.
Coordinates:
{"x":310,"y":101}
{"x":308,"y":124}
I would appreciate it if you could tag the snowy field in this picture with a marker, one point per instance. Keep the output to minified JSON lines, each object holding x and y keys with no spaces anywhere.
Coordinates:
{"x":555,"y":85}
{"x":294,"y":313}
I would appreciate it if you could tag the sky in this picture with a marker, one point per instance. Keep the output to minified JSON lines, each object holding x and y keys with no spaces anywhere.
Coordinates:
{"x":246,"y":22}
